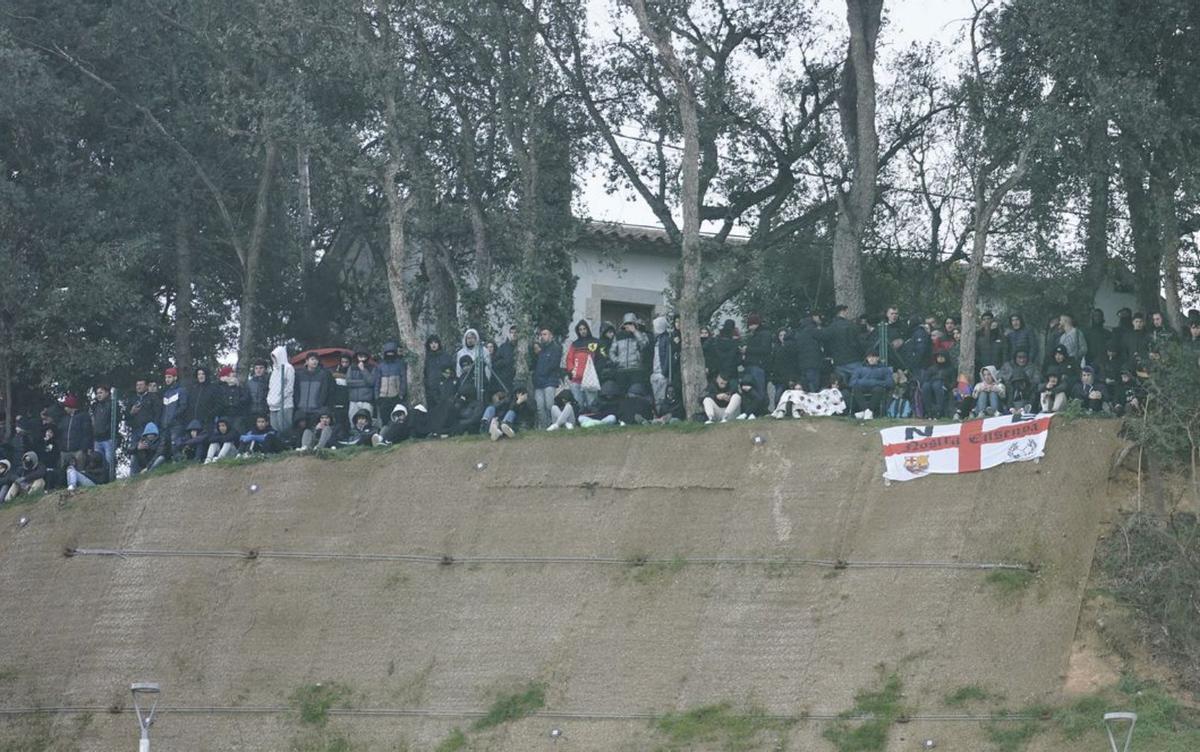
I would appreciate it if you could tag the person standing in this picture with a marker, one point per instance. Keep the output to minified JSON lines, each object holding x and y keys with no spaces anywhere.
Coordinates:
{"x":104,"y":428}
{"x":281,"y":390}
{"x":546,"y":375}
{"x":361,"y":381}
{"x":391,"y":381}
{"x":75,"y":430}
{"x":581,"y":365}
{"x":258,"y":386}
{"x":174,"y":408}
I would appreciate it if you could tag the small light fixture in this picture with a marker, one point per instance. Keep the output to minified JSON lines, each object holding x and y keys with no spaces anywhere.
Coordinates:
{"x":145,"y":690}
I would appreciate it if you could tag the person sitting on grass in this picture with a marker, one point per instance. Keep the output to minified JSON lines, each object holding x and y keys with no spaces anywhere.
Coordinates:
{"x":790,"y":401}
{"x":722,"y":401}
{"x":635,"y":407}
{"x":1053,"y":394}
{"x":516,"y":411}
{"x":7,"y":478}
{"x":222,"y":443}
{"x":194,"y":447}
{"x":319,"y":436}
{"x":149,"y":451}
{"x":754,"y":401}
{"x":937,"y":381}
{"x":397,"y":428}
{"x":1090,"y":393}
{"x":604,"y":412}
{"x":563,"y":411}
{"x":670,"y":408}
{"x":92,"y":473}
{"x":1021,"y":380}
{"x":30,"y":477}
{"x":360,"y":432}
{"x":262,"y":439}
{"x":870,"y":384}
{"x":1127,"y":394}
{"x":988,"y":393}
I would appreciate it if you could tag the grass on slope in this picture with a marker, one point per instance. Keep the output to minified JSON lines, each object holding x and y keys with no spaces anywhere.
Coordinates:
{"x":719,"y":724}
{"x":865,"y":727}
{"x":512,"y":707}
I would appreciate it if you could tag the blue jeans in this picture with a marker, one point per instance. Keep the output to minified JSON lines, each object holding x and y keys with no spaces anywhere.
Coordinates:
{"x":510,"y":416}
{"x":109,"y":451}
{"x":811,"y":379}
{"x":585,"y":398}
{"x":987,"y":400}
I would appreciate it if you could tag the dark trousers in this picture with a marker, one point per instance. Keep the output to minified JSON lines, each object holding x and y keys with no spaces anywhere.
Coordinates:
{"x":869,"y":398}
{"x":935,"y":396}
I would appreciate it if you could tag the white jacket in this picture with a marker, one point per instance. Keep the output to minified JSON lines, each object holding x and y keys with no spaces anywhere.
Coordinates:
{"x":282,"y":383}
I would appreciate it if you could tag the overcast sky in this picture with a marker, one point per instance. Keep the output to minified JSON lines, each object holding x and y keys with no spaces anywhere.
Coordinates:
{"x":908,"y":21}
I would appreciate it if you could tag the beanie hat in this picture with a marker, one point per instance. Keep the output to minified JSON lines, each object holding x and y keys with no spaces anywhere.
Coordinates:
{"x":224,"y":371}
{"x":71,"y":401}
{"x":171,"y":372}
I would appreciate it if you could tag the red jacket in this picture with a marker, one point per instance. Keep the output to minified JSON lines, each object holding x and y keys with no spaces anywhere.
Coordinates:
{"x":578,"y":357}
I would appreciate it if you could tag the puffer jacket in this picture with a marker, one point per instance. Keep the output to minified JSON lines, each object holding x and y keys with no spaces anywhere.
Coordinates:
{"x":391,"y":381}
{"x":312,"y":389}
{"x":626,"y":353}
{"x":362,"y":383}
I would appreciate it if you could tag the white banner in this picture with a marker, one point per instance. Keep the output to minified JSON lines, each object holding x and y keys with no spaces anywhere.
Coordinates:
{"x":916,"y":451}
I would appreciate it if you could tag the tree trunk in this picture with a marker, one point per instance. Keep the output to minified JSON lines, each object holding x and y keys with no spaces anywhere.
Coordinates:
{"x":253,"y":255}
{"x":1162,"y":191}
{"x":443,"y":291}
{"x":856,"y":107}
{"x":1147,"y":250}
{"x":8,"y":405}
{"x":1096,"y":242}
{"x":691,"y":353}
{"x":529,"y":256}
{"x":398,"y":208}
{"x":183,"y":292}
{"x":307,"y":251}
{"x":985,"y":208}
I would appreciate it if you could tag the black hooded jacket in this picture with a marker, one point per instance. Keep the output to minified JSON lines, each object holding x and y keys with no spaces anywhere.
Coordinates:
{"x":436,"y":362}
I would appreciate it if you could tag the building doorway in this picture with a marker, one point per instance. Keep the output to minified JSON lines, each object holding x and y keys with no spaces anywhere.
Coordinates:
{"x":614,"y":310}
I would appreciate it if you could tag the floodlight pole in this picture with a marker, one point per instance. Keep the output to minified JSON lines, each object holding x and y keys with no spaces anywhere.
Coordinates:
{"x":146,"y":719}
{"x":1115,"y":719}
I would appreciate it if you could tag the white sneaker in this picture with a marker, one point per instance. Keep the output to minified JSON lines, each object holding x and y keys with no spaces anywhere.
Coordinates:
{"x":777,"y":415}
{"x":554,"y":427}
{"x":708,"y":422}
{"x":724,"y":420}
{"x":860,"y":415}
{"x":570,"y":426}
{"x":494,"y":430}
{"x":752,"y":417}
{"x":507,"y":430}
{"x":741,"y":417}
{"x":868,"y":415}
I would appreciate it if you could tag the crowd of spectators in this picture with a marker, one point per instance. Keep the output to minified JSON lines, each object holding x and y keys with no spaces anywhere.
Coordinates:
{"x":627,"y":374}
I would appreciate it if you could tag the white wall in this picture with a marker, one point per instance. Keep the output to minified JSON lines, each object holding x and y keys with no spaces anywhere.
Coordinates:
{"x":641,"y":278}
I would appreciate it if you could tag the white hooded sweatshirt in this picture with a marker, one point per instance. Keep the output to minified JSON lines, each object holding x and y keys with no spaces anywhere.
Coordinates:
{"x":281,"y":385}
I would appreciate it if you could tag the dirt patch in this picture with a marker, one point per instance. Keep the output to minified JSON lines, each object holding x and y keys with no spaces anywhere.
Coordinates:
{"x":224,"y":630}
